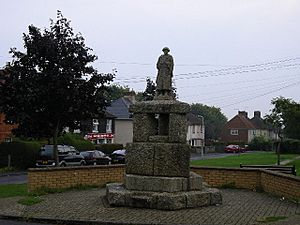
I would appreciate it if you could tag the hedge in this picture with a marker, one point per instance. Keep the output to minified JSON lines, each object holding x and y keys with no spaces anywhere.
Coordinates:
{"x":23,"y":154}
{"x":77,"y":141}
{"x":260,"y":143}
{"x":290,"y":146}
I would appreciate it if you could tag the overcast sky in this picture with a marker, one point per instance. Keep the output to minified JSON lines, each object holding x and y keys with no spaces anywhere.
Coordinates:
{"x":234,"y":54}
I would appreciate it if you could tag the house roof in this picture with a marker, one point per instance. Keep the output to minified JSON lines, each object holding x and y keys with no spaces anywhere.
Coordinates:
{"x":244,"y":122}
{"x":120,"y":108}
{"x":259,"y":123}
{"x":193,"y":119}
{"x":109,"y":115}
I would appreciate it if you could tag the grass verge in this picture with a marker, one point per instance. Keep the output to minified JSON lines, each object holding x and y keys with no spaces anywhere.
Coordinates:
{"x":30,"y":200}
{"x":258,"y":158}
{"x":12,"y":190}
{"x":297,"y":165}
{"x":270,"y":219}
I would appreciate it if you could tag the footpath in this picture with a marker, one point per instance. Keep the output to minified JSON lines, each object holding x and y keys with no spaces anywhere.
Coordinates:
{"x":240,"y":207}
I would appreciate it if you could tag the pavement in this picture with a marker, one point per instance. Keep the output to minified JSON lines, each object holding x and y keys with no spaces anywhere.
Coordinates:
{"x":240,"y":207}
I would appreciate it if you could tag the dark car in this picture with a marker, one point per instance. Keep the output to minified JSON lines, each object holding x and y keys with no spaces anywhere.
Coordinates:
{"x":71,"y":159}
{"x":118,"y":157}
{"x":67,"y":155}
{"x":95,"y":158}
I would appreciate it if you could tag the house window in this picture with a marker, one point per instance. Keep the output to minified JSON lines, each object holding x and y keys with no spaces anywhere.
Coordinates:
{"x":234,"y":132}
{"x":95,"y":125}
{"x":108,"y":126}
{"x":193,"y":129}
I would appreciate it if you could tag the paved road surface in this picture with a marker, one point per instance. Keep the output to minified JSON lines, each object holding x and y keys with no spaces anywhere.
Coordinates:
{"x":13,"y":179}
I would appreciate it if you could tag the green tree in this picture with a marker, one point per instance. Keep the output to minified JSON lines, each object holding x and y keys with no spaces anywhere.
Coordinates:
{"x":285,"y":116}
{"x":52,"y":85}
{"x":214,"y":119}
{"x":149,"y":92}
{"x":118,"y":91}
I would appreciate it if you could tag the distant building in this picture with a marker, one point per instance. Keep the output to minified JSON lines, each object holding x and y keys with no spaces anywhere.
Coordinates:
{"x":243,"y":129}
{"x":123,"y":124}
{"x":5,"y":129}
{"x":99,"y":130}
{"x":196,"y":130}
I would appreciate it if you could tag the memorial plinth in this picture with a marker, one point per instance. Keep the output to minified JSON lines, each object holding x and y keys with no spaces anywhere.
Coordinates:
{"x":157,"y":162}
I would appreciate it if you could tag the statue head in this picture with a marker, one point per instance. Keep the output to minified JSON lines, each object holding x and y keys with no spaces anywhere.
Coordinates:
{"x":166,"y":50}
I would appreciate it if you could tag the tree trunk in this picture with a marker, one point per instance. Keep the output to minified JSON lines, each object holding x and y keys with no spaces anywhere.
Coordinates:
{"x":55,"y":149}
{"x":278,"y":153}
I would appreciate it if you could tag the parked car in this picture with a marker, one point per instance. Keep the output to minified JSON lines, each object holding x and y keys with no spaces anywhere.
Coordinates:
{"x":67,"y":156}
{"x":71,"y":159}
{"x":118,"y":157}
{"x":95,"y":158}
{"x":232,"y":149}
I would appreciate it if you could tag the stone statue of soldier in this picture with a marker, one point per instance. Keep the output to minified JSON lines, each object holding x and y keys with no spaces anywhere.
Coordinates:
{"x":165,"y":65}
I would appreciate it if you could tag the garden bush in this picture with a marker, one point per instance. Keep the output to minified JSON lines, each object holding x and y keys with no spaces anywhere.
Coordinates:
{"x":290,"y":146}
{"x":23,"y":153}
{"x":77,"y":141}
{"x":259,"y":143}
{"x":108,"y":148}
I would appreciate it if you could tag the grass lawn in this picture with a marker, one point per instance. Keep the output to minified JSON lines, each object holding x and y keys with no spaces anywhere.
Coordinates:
{"x":12,"y":190}
{"x":258,"y":158}
{"x":297,"y":164}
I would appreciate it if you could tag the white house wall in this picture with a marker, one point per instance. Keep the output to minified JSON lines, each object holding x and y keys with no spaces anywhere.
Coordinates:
{"x":123,"y":131}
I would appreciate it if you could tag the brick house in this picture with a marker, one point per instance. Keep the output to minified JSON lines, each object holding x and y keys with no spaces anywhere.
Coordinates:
{"x":5,"y":129}
{"x":243,"y":129}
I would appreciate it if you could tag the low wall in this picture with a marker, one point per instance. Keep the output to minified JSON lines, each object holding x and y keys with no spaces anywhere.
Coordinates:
{"x":248,"y":178}
{"x":65,"y":177}
{"x":240,"y":178}
{"x":280,"y":184}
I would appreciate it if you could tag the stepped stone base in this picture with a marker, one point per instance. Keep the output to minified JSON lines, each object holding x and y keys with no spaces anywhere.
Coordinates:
{"x":118,"y":195}
{"x":163,"y":184}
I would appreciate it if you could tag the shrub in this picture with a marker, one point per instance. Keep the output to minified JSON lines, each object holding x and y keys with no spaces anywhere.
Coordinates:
{"x":23,"y":153}
{"x":77,"y":141}
{"x":290,"y":146}
{"x":259,"y":143}
{"x":108,"y":148}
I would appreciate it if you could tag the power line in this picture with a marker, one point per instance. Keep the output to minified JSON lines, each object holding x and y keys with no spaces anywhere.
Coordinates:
{"x":288,"y":66}
{"x":224,"y":69}
{"x":242,"y":88}
{"x":261,"y":95}
{"x":151,"y":64}
{"x":243,"y":81}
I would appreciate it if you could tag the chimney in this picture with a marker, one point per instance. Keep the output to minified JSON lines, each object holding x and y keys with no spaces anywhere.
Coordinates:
{"x":257,"y":114}
{"x":243,"y":113}
{"x":130,"y":95}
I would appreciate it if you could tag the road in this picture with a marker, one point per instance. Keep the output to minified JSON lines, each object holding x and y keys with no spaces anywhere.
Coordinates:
{"x":16,"y":178}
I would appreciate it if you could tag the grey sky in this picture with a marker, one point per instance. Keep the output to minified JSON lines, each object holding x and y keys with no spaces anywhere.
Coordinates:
{"x":240,"y":53}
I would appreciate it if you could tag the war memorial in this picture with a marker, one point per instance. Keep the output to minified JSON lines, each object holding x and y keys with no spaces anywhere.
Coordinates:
{"x":157,"y":163}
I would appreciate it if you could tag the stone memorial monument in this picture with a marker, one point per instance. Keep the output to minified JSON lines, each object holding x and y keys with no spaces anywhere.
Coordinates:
{"x":157,"y":162}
